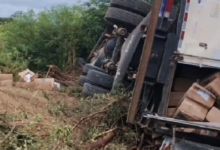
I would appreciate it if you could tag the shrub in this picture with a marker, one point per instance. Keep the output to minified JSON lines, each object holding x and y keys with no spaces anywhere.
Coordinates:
{"x":54,"y":36}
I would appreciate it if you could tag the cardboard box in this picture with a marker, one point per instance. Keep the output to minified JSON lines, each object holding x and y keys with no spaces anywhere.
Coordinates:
{"x":214,"y":87}
{"x":170,"y":112}
{"x":39,"y":84}
{"x":44,"y":84}
{"x":6,"y":83}
{"x":182,"y":85}
{"x":30,"y":85}
{"x":6,"y":77}
{"x":25,"y":76}
{"x":213,"y":115}
{"x":175,"y":98}
{"x":201,"y":95}
{"x":191,"y":110}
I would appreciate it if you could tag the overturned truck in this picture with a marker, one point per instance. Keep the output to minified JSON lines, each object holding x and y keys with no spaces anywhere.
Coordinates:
{"x":169,"y":57}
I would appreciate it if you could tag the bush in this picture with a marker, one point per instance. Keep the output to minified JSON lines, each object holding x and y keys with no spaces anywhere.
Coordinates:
{"x":54,"y":36}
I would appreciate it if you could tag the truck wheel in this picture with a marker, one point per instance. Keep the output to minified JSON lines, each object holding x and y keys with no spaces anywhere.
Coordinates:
{"x":100,"y":78}
{"x":83,"y":80}
{"x":119,"y":16}
{"x":88,"y":67}
{"x":90,"y":90}
{"x":138,"y":6}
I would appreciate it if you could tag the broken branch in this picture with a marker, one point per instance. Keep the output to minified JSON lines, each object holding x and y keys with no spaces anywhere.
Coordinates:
{"x":103,"y":133}
{"x":86,"y":118}
{"x":100,"y":143}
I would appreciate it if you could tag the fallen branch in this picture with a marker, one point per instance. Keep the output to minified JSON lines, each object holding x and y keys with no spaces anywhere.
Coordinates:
{"x":103,"y":133}
{"x":100,"y":143}
{"x":86,"y":118}
{"x":7,"y":136}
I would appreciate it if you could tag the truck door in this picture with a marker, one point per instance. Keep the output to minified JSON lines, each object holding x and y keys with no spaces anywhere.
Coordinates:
{"x":199,"y":42}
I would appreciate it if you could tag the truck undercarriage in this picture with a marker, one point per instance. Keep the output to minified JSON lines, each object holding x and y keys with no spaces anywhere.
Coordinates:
{"x":146,"y":60}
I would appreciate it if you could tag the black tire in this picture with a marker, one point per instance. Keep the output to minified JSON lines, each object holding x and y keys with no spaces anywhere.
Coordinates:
{"x":100,"y":78}
{"x":88,"y":67}
{"x":90,"y":90}
{"x":138,"y":6}
{"x":119,"y":16}
{"x":83,"y":80}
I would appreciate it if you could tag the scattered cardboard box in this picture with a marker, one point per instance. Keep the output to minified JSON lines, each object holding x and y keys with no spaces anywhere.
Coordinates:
{"x":213,"y":115}
{"x":40,"y":84}
{"x":191,"y":110}
{"x":6,"y":77}
{"x":6,"y":80}
{"x":35,"y":76}
{"x":182,"y":85}
{"x":44,"y":83}
{"x":6,"y":83}
{"x":175,"y":98}
{"x":30,"y":85}
{"x":25,"y":76}
{"x":201,"y":95}
{"x":170,"y":112}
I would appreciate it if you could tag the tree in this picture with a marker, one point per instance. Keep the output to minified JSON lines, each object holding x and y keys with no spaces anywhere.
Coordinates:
{"x":54,"y":36}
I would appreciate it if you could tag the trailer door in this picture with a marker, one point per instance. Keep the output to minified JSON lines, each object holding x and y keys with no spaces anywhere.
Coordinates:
{"x":199,"y":41}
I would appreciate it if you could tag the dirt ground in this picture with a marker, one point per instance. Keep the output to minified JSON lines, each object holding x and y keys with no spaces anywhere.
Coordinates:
{"x":57,"y":120}
{"x":34,"y":113}
{"x":15,"y":100}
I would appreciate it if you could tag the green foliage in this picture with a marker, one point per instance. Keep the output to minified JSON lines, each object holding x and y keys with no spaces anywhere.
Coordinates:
{"x":2,"y":20}
{"x":54,"y":36}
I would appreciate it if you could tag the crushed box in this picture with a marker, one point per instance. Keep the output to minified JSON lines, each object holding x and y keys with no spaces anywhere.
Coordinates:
{"x":213,"y":115}
{"x":191,"y":110}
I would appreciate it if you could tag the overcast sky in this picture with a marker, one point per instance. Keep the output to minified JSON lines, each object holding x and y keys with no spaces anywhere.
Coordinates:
{"x":8,"y":7}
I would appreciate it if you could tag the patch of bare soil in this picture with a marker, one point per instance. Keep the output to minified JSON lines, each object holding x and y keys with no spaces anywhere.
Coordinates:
{"x":14,"y":100}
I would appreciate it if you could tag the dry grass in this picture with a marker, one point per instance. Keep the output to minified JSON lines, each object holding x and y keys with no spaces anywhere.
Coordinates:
{"x":67,"y":123}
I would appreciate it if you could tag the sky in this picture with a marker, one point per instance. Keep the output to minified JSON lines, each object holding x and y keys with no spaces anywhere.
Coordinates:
{"x":9,"y":7}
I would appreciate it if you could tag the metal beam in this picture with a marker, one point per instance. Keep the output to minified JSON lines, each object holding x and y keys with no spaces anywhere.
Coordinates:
{"x":144,"y":60}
